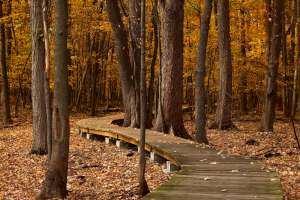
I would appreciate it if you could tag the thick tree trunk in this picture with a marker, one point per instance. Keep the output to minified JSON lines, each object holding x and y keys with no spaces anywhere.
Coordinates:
{"x":272,"y":71}
{"x":143,"y":97}
{"x":55,"y":183}
{"x":122,"y":50}
{"x":170,"y":118}
{"x":135,"y":35}
{"x":39,"y":121}
{"x":200,"y":93}
{"x":150,"y":101}
{"x":3,"y":65}
{"x":223,"y":115}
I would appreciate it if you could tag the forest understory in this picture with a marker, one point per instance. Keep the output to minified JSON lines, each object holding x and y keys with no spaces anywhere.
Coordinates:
{"x":100,"y":171}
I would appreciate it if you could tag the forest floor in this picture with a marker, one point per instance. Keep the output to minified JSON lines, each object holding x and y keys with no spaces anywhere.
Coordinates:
{"x":99,"y":171}
{"x":277,"y":150}
{"x":96,"y":170}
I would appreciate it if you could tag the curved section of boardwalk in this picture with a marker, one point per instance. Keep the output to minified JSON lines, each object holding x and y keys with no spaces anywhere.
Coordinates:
{"x":204,"y":174}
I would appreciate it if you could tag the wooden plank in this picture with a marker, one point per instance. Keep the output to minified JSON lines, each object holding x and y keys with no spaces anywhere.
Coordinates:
{"x":205,"y":172}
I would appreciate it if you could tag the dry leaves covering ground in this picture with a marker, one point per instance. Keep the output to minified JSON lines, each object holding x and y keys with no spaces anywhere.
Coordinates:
{"x":276,"y":150}
{"x":96,"y":170}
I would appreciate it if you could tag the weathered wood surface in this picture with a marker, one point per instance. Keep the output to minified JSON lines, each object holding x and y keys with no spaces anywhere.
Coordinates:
{"x":205,"y":173}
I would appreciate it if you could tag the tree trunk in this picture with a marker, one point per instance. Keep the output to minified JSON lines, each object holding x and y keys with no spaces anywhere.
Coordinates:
{"x":39,"y":121}
{"x":55,"y":182}
{"x":155,"y":21}
{"x":200,"y":93}
{"x":46,"y":12}
{"x":125,"y":68}
{"x":142,"y":161}
{"x":5,"y":84}
{"x":243,"y":73}
{"x":284,"y":63}
{"x":272,"y":71}
{"x":171,"y":115}
{"x":297,"y":64}
{"x":223,"y":115}
{"x":135,"y":35}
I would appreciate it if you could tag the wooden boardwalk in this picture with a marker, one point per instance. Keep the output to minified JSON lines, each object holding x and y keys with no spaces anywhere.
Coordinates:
{"x":204,"y":174}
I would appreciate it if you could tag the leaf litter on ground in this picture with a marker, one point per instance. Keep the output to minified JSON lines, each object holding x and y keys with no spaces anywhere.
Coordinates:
{"x":96,"y":170}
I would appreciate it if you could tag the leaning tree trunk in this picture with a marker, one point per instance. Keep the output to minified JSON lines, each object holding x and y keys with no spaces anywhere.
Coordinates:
{"x":223,"y":115}
{"x":125,"y":68}
{"x":55,"y":184}
{"x":200,"y":93}
{"x":5,"y":84}
{"x":39,"y":121}
{"x":170,"y":116}
{"x":268,"y":116}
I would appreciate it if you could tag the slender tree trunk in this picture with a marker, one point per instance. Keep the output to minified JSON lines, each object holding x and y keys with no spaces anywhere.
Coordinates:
{"x":284,"y":63}
{"x":200,"y":93}
{"x":243,"y":73}
{"x":55,"y":182}
{"x":297,"y":64}
{"x":142,"y":162}
{"x":39,"y":122}
{"x":5,"y":84}
{"x":268,"y":117}
{"x":223,"y":115}
{"x":46,"y":11}
{"x":172,"y":14}
{"x":155,"y":21}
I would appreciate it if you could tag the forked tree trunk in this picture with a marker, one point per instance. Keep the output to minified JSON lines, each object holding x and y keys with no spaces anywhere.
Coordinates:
{"x":55,"y":184}
{"x":200,"y":93}
{"x":170,"y":116}
{"x":39,"y":121}
{"x":223,"y":115}
{"x":3,"y":65}
{"x":125,"y":68}
{"x":268,"y":116}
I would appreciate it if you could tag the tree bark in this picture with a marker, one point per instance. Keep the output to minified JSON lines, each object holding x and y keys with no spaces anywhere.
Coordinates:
{"x":55,"y":182}
{"x":171,"y":115}
{"x":297,"y":64}
{"x":46,"y":12}
{"x":143,"y":100}
{"x":135,"y":35}
{"x":272,"y":71}
{"x":200,"y":92}
{"x":155,"y":21}
{"x":223,"y":115}
{"x":39,"y":121}
{"x":125,"y":68}
{"x":3,"y":65}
